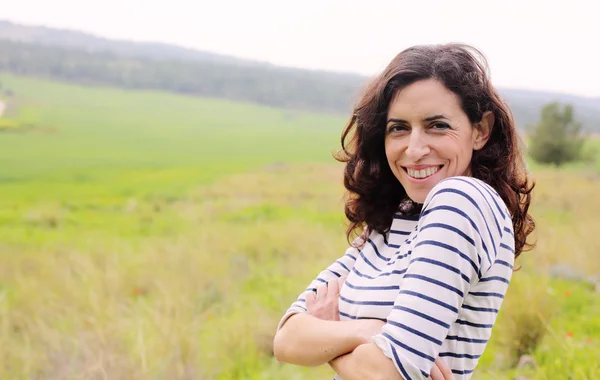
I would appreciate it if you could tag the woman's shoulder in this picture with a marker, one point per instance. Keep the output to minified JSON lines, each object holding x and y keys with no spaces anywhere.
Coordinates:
{"x":467,"y":193}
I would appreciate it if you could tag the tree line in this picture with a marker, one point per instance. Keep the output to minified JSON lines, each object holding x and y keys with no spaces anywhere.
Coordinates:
{"x":267,"y":85}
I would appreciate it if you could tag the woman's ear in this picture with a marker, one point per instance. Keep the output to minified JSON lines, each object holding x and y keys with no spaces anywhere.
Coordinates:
{"x":483,"y":130}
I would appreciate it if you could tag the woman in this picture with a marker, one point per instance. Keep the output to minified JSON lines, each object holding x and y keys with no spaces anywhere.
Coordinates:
{"x":437,"y":183}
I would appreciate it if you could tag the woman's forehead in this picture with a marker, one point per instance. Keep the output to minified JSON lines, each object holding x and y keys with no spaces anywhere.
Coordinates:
{"x":424,"y":99}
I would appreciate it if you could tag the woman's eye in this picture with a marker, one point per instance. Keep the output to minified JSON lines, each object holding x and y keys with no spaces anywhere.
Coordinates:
{"x":440,"y":125}
{"x":397,"y":128}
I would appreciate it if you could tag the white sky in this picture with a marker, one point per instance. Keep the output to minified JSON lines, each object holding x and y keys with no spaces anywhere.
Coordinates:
{"x":530,"y":44}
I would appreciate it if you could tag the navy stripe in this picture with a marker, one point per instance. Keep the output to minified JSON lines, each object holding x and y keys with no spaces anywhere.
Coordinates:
{"x":321,"y":280}
{"x":413,"y":218}
{"x":484,"y":309}
{"x":459,"y":372}
{"x":398,"y":232}
{"x":368,"y":262}
{"x":470,"y":199}
{"x":408,"y":348}
{"x":468,"y":340}
{"x":370,"y":303}
{"x":495,"y":278}
{"x":453,"y":355}
{"x":301,"y":300}
{"x":351,"y":256}
{"x":450,"y":248}
{"x":343,"y":265}
{"x":487,"y":189}
{"x":383,"y":274}
{"x":390,"y":287}
{"x":464,"y":215}
{"x":449,"y":228}
{"x":424,"y":316}
{"x":432,"y":300}
{"x":502,"y":262}
{"x":377,"y":251}
{"x":354,"y":317}
{"x":416,"y":332}
{"x":443,"y":265}
{"x":489,"y":205}
{"x":399,"y":257}
{"x":472,"y":324}
{"x":502,"y":245}
{"x":342,"y":314}
{"x":334,"y":272}
{"x":394,"y":245}
{"x":509,"y":231}
{"x":399,"y":363}
{"x":435,"y":282}
{"x":487,"y":294}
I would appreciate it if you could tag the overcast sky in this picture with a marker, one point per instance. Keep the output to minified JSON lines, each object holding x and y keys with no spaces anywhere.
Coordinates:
{"x":530,"y":44}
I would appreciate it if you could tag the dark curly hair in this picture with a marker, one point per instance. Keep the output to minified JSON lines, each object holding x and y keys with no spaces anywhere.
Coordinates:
{"x":374,"y":194}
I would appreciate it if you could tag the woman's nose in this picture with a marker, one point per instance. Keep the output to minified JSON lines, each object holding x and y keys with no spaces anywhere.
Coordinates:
{"x":417,"y":146}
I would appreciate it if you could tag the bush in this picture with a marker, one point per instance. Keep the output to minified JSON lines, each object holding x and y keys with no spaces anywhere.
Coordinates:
{"x":558,"y":137}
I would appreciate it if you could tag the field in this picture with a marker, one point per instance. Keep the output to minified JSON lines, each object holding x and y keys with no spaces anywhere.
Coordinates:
{"x":153,"y":236}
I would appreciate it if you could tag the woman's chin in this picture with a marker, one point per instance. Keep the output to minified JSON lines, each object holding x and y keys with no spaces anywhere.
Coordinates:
{"x":417,"y":196}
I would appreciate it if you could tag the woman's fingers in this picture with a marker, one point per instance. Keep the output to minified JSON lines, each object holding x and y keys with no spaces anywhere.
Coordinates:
{"x":444,"y":369}
{"x":436,"y":374}
{"x":310,"y":299}
{"x":321,"y":292}
{"x":333,"y":289}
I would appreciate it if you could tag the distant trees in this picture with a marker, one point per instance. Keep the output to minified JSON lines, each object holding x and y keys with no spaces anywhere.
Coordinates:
{"x":557,"y":138}
{"x":262,"y":84}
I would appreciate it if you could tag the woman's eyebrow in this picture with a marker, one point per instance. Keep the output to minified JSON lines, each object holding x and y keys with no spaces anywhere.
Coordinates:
{"x":435,"y":117}
{"x":430,"y":118}
{"x":396,"y":121}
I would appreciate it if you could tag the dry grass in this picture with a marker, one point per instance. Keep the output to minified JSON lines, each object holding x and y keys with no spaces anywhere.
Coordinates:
{"x":203,"y":302}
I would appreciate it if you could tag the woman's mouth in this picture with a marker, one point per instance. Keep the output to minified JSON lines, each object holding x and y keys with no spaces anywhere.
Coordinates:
{"x":422,"y":173}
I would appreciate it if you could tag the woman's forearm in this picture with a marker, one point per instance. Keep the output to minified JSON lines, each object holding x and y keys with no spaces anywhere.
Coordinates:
{"x":366,"y":362}
{"x":310,"y":341}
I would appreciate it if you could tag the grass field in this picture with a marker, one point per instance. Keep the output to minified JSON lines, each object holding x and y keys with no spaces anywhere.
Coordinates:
{"x":153,"y":236}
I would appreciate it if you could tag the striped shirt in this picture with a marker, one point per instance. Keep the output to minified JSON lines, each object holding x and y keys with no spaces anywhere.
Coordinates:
{"x":437,"y":279}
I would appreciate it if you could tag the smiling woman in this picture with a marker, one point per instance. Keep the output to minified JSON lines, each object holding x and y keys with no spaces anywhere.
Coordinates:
{"x":429,"y":137}
{"x":438,"y":188}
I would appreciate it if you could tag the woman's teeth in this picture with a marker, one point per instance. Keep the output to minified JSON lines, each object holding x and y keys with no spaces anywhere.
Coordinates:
{"x":423,"y":173}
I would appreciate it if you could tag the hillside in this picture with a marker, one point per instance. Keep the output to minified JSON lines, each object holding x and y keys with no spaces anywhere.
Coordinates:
{"x":78,"y":40}
{"x":78,"y":57}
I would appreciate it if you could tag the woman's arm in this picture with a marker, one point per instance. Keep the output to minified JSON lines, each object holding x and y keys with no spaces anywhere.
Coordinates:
{"x":309,"y":341}
{"x":318,"y":336}
{"x":367,"y":361}
{"x":338,"y":269}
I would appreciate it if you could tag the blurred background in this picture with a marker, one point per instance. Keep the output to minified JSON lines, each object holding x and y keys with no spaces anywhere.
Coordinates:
{"x":167,"y":186}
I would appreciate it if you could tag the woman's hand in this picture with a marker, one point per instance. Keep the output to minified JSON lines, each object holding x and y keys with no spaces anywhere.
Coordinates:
{"x":325,"y":303}
{"x":441,"y":371}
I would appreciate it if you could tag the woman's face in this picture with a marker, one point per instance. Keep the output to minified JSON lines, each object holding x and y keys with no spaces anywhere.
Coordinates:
{"x":429,"y":137}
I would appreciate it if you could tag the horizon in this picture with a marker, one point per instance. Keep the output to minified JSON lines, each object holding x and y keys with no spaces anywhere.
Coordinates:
{"x":351,"y":52}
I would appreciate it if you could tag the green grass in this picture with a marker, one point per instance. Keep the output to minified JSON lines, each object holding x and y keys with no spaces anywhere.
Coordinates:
{"x":93,"y":151}
{"x":151,"y":236}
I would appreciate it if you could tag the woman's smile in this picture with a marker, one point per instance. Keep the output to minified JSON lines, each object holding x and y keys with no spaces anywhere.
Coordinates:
{"x":421,"y":173}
